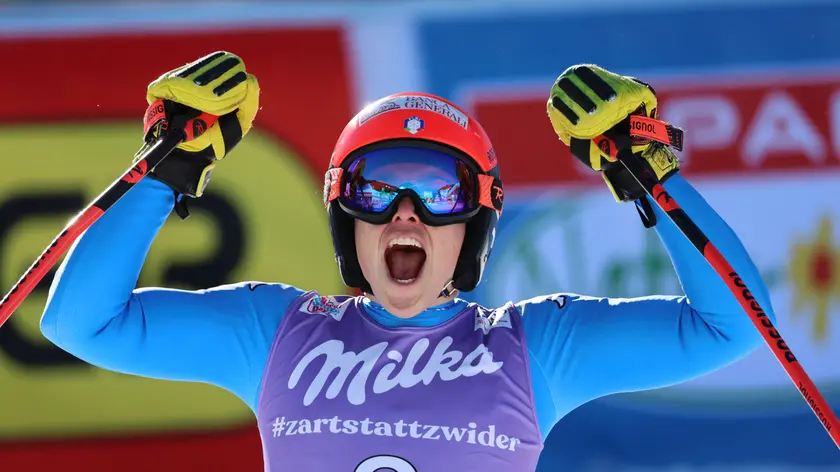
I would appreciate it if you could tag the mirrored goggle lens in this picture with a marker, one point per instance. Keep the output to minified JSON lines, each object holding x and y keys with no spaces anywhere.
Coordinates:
{"x":443,"y":183}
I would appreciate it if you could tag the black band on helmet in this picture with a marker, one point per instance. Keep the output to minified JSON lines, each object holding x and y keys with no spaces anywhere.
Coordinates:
{"x":343,"y":232}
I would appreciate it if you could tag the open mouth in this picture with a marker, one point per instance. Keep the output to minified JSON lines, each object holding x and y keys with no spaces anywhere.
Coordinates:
{"x":405,"y":258}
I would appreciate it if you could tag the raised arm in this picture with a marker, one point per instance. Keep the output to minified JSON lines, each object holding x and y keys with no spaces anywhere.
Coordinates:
{"x":590,"y":347}
{"x":220,"y":335}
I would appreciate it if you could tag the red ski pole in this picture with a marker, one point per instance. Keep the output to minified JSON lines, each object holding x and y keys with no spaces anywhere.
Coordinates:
{"x":657,"y":130}
{"x":151,"y":156}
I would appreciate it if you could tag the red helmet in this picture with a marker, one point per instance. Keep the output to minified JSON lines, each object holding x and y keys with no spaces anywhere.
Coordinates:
{"x":448,"y":129}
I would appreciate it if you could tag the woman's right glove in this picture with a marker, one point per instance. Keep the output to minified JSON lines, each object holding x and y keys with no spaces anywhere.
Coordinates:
{"x":217,"y":84}
{"x":587,"y":103}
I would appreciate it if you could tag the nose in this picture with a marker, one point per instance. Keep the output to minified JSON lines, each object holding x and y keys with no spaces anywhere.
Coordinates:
{"x":405,"y":211}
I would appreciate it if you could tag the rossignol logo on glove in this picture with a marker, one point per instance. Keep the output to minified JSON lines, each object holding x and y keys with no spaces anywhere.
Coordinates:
{"x":155,"y":112}
{"x":199,"y":127}
{"x":398,"y":371}
{"x":651,"y":128}
{"x":642,"y":126}
{"x":605,"y":146}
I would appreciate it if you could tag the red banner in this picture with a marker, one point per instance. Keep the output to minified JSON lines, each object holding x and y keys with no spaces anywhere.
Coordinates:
{"x":771,"y":124}
{"x":305,"y":97}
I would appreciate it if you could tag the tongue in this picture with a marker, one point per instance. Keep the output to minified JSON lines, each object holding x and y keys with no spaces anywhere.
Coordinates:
{"x":405,"y":262}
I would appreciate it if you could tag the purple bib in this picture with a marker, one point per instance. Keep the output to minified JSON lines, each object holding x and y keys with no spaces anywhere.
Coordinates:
{"x":343,"y":393}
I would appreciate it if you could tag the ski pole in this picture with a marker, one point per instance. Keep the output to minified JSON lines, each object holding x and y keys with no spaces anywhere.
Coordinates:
{"x":151,"y":155}
{"x":658,"y":130}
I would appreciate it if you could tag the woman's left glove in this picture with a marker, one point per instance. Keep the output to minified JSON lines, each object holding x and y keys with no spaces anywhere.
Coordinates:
{"x":588,"y":104}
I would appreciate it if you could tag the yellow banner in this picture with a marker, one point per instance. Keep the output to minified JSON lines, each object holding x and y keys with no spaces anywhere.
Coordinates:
{"x":261,"y":219}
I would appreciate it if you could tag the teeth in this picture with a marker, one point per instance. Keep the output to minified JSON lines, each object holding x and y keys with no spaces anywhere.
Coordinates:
{"x":406,"y":282}
{"x":404,"y":242}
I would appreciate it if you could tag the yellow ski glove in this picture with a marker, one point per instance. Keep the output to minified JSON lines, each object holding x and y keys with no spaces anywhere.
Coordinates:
{"x":588,"y":103}
{"x":219,"y":85}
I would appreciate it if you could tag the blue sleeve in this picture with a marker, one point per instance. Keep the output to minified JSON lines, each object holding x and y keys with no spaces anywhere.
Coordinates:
{"x":220,"y":336}
{"x":590,"y":347}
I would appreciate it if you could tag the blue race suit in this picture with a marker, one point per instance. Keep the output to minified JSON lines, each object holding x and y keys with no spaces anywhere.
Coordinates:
{"x":579,"y":348}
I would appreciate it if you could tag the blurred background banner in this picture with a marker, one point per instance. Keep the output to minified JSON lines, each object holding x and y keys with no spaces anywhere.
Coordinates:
{"x":756,"y":85}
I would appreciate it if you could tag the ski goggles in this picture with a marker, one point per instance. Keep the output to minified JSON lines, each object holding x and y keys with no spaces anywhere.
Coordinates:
{"x":445,"y":188}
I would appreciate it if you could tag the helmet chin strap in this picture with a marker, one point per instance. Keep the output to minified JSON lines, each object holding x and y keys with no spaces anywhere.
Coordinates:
{"x":448,"y":289}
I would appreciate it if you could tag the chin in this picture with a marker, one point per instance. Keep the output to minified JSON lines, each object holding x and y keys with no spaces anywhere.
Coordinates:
{"x":403,"y":300}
